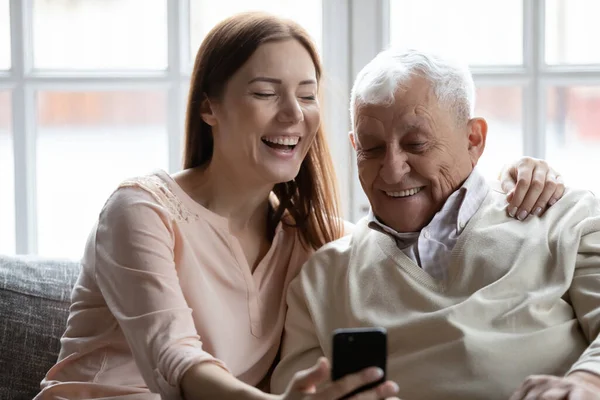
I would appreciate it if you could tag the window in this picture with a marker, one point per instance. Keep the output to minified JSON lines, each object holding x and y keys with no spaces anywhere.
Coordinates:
{"x":571,"y":31}
{"x":573,"y":138}
{"x":110,"y":134}
{"x":4,"y":35}
{"x":99,"y":91}
{"x":204,"y":15}
{"x":535,"y":65}
{"x":501,"y":106}
{"x":7,"y":199}
{"x":461,"y":28}
{"x":85,"y":34}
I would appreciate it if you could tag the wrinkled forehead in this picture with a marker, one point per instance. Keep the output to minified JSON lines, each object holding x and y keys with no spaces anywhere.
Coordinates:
{"x":412,"y":105}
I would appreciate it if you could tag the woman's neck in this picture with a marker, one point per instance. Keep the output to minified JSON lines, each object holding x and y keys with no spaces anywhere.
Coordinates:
{"x":225,"y":193}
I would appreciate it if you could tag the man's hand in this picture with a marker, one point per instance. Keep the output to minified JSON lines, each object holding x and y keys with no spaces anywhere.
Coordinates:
{"x":577,"y":386}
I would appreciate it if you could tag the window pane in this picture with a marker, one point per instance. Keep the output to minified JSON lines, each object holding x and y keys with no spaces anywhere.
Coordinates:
{"x":573,"y":139}
{"x":502,"y":109}
{"x":87,"y":143}
{"x":4,"y":35}
{"x":204,"y":14}
{"x":570,"y":28}
{"x":84,"y":34}
{"x":7,"y":181}
{"x":462,"y":28}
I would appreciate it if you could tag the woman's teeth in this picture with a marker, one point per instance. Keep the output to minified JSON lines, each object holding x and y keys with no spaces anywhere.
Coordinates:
{"x":284,"y":140}
{"x":405,"y":193}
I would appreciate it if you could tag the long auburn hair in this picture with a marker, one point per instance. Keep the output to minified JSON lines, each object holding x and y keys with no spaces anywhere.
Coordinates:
{"x":310,"y":201}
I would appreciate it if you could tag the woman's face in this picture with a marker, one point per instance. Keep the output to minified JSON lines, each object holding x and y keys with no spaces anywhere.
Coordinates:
{"x":268,"y":116}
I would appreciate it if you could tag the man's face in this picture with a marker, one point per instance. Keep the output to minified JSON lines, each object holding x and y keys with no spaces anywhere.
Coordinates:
{"x":413,"y":154}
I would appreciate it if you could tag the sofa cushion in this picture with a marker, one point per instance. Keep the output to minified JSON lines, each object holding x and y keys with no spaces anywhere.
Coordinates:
{"x":34,"y":305}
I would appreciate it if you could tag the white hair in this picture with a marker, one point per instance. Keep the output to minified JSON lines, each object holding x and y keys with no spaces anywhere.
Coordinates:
{"x":378,"y":82}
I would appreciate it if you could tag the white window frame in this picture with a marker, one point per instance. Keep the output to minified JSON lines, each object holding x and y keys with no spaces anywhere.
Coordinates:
{"x":23,"y":82}
{"x":370,"y":34}
{"x":354,"y":31}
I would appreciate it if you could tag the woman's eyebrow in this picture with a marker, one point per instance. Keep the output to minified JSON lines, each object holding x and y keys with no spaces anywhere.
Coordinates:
{"x":279,"y":81}
{"x":265,"y":79}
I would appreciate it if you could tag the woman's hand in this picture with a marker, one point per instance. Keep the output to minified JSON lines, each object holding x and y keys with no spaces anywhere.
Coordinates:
{"x":304,"y":385}
{"x":531,"y":186}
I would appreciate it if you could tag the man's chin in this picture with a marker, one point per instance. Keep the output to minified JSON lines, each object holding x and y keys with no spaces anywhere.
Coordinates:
{"x":402,"y":225}
{"x":402,"y":217}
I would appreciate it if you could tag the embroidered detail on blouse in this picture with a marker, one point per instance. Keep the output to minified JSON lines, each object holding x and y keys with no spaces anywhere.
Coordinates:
{"x":163,"y":195}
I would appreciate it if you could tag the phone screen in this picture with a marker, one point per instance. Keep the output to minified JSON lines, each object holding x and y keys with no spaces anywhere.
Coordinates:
{"x":355,"y":349}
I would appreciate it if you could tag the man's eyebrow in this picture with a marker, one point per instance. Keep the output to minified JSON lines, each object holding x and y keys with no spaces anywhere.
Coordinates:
{"x":279,"y":81}
{"x":365,"y":132}
{"x":414,"y":125}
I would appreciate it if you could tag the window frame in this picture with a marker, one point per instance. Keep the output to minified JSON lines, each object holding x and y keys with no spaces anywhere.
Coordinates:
{"x":23,"y":81}
{"x":534,"y":75}
{"x":354,"y":31}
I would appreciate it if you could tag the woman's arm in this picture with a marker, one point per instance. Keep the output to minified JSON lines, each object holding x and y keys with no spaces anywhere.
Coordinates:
{"x":208,"y":381}
{"x":132,"y":254}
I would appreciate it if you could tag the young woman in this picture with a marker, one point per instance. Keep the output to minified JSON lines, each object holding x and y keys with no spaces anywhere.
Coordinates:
{"x":183,"y":281}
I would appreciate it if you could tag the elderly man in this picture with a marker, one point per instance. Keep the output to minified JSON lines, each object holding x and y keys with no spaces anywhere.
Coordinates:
{"x":477,"y":305}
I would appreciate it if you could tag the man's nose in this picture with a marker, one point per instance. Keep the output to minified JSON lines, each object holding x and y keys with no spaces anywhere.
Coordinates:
{"x":394,"y":166}
{"x":290,"y":111}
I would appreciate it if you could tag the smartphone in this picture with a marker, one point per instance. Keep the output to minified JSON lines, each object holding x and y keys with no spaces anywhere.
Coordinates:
{"x":355,"y":349}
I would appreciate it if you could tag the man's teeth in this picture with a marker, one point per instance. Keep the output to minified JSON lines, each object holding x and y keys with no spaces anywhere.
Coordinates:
{"x":405,"y":193}
{"x":284,"y":140}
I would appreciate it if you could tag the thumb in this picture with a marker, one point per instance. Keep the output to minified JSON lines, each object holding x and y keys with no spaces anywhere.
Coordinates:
{"x":508,"y":178}
{"x":307,"y":379}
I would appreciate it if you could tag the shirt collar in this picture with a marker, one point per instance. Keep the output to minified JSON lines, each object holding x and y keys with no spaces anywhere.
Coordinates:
{"x":476,"y":189}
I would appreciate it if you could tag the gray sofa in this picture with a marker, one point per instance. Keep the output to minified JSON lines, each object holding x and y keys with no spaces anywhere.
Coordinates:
{"x":34,"y":305}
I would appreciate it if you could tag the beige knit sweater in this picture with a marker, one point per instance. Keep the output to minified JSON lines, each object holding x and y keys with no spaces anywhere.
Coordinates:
{"x":521,"y":298}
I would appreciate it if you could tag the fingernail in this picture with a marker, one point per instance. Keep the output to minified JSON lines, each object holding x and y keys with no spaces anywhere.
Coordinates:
{"x":537,"y":211}
{"x":512,"y":212}
{"x":522,"y":215}
{"x":375,"y":373}
{"x":395,"y":388}
{"x":552,"y":201}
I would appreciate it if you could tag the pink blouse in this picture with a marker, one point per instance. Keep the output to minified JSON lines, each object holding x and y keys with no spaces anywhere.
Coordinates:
{"x":164,"y":285}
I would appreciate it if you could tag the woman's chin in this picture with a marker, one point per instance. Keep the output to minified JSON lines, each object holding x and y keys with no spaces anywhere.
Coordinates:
{"x":281,"y":175}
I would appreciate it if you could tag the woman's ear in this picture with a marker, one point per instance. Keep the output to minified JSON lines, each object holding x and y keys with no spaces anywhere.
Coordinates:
{"x":207,"y":112}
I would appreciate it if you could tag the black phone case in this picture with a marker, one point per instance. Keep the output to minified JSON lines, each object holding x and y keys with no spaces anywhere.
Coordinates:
{"x":358,"y":348}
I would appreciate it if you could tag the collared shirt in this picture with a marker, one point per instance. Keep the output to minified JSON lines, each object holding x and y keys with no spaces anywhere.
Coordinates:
{"x":432,"y":246}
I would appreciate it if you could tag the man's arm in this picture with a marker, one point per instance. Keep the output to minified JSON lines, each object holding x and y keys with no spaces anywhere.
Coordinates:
{"x":300,"y":347}
{"x":582,"y":381}
{"x":585,"y":294}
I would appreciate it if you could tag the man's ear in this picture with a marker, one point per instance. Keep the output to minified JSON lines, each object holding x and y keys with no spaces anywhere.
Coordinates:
{"x":477,"y":129}
{"x":352,"y":139}
{"x":207,"y":112}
